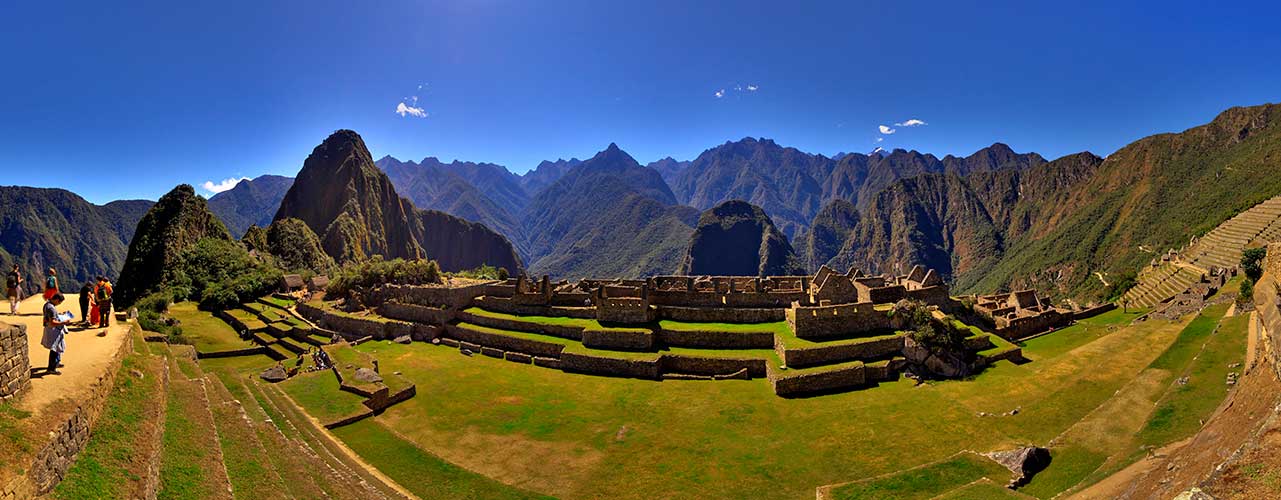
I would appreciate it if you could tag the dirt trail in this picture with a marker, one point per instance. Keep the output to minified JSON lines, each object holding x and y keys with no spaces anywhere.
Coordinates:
{"x":88,"y":356}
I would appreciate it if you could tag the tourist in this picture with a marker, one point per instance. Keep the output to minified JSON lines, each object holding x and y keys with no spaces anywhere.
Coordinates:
{"x":50,"y":284}
{"x":13,"y":289}
{"x":103,"y":298}
{"x":86,"y":297}
{"x":55,"y":333}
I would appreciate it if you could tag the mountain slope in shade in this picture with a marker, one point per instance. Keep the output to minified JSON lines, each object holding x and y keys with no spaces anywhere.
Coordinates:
{"x":826,"y":234}
{"x":437,"y":187}
{"x":250,"y":202}
{"x":608,"y":216}
{"x":354,"y":208}
{"x":736,"y":238}
{"x":546,"y":174}
{"x":175,"y":223}
{"x":42,"y":228}
{"x":669,"y":168}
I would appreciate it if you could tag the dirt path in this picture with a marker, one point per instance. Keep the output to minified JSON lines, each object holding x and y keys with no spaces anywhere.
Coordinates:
{"x":88,"y":356}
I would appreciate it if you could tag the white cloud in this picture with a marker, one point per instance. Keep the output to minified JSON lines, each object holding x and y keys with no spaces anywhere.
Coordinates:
{"x":222,"y":186}
{"x":403,"y":109}
{"x":886,"y":130}
{"x":911,"y":123}
{"x":720,"y":93}
{"x":879,"y":139}
{"x":753,"y":88}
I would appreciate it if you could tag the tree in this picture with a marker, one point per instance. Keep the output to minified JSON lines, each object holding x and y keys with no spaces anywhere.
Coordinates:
{"x":1252,"y":262}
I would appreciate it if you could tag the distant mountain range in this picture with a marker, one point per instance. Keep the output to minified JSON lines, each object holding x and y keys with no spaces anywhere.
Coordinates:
{"x":991,"y":220}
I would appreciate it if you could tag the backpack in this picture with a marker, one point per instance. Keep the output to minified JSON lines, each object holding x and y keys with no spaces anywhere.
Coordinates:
{"x":12,"y":280}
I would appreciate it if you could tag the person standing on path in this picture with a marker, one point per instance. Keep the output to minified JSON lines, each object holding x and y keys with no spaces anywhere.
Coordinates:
{"x":55,"y":334}
{"x":13,"y":289}
{"x":86,"y":295}
{"x":50,"y":284}
{"x":103,"y":298}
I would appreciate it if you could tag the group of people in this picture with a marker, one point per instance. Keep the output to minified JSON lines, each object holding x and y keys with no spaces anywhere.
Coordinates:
{"x":95,"y":308}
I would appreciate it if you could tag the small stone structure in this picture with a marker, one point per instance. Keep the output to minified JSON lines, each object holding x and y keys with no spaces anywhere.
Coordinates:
{"x":1020,"y":314}
{"x":15,"y":363}
{"x":292,"y":283}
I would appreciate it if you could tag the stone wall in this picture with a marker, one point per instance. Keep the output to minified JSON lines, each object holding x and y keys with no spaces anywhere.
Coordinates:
{"x":415,"y":313}
{"x":506,"y":343}
{"x":626,"y":310}
{"x":869,"y":349}
{"x":682,"y":298}
{"x":698,"y":365}
{"x":615,"y":367}
{"x":452,"y":297}
{"x":1093,"y":311}
{"x":630,"y":339}
{"x":353,"y":328}
{"x":15,"y":361}
{"x":786,"y":384}
{"x":844,"y":320}
{"x":721,"y":315}
{"x":68,"y":437}
{"x":505,"y":305}
{"x":717,"y":340}
{"x":562,"y":331}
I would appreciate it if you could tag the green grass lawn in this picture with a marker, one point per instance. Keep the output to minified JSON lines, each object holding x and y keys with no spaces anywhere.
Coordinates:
{"x":318,"y":393}
{"x":927,"y":481}
{"x":682,"y":326}
{"x":275,"y":302}
{"x":1068,"y":465}
{"x":206,"y":331}
{"x":585,"y":436}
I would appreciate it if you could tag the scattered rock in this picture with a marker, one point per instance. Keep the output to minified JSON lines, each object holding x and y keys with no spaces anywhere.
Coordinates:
{"x":403,"y":339}
{"x":274,"y":374}
{"x":368,"y":376}
{"x":622,"y":433}
{"x":1182,"y":381}
{"x":395,"y":373}
{"x":1024,"y":462}
{"x":136,"y":373}
{"x":465,"y":351}
{"x":435,"y":341}
{"x":1194,"y":494}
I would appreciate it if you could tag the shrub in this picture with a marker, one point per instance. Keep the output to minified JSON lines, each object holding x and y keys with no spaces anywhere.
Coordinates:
{"x":377,"y":271}
{"x":1246,"y":295}
{"x":1252,"y":262}
{"x":484,"y":272}
{"x":152,"y":318}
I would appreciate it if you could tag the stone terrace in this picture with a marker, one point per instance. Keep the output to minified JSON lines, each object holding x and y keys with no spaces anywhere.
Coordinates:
{"x":805,"y":334}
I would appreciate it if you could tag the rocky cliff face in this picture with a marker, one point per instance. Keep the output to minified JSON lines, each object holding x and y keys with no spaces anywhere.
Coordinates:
{"x":42,"y":228}
{"x":355,"y":209}
{"x":174,"y":224}
{"x":251,"y":202}
{"x":736,"y":238}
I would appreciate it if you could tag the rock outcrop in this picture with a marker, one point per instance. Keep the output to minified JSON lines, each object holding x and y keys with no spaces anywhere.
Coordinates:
{"x":736,"y":238}
{"x":176,"y":222}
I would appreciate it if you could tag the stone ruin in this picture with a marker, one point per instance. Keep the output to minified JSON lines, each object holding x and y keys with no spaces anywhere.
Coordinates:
{"x":1020,"y":314}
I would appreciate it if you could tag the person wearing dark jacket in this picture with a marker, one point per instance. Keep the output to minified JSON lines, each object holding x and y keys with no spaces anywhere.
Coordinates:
{"x":103,"y":298}
{"x":86,"y":293}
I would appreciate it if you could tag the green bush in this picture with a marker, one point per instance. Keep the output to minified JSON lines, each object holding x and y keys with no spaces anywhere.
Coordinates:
{"x":377,"y":271}
{"x":484,"y":272}
{"x":1247,"y":292}
{"x":1252,"y":262}
{"x":152,"y":318}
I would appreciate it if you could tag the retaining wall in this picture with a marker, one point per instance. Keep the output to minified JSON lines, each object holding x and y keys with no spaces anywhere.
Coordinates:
{"x":69,"y":436}
{"x":870,"y":349}
{"x":562,"y":331}
{"x":845,"y":378}
{"x":15,"y":364}
{"x":503,"y":305}
{"x":615,"y":367}
{"x":352,"y":328}
{"x":452,"y":297}
{"x":718,"y":340}
{"x":629,"y":340}
{"x":674,"y":363}
{"x":506,"y":343}
{"x":721,"y":315}
{"x":844,"y":320}
{"x":415,"y":313}
{"x":682,"y":298}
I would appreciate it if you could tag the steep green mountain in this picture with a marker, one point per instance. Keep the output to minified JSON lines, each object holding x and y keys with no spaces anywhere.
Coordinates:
{"x":355,"y":209}
{"x":826,"y":234}
{"x":434,"y":186}
{"x":608,"y":216}
{"x":174,"y":224}
{"x":736,"y":238}
{"x":296,"y":247}
{"x":349,"y":203}
{"x":42,"y":228}
{"x":250,"y":202}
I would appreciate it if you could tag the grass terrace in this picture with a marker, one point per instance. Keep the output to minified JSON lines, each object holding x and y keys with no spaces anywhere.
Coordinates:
{"x":205,"y":331}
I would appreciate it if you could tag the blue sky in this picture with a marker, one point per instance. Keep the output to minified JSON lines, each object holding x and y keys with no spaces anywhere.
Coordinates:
{"x":126,"y":101}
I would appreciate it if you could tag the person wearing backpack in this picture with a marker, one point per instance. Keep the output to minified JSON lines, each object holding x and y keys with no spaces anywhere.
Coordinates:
{"x":103,"y":298}
{"x":13,"y":289}
{"x":50,"y":284}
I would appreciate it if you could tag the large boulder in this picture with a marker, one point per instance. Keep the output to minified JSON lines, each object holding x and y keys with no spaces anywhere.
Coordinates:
{"x":274,"y":374}
{"x":1024,"y":462}
{"x":368,"y":376}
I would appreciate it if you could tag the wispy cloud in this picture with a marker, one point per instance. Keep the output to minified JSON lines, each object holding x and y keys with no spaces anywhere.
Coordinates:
{"x":753,"y":88}
{"x":886,"y":130}
{"x":737,"y":89}
{"x":880,"y":139}
{"x":222,"y":186}
{"x":720,"y":93}
{"x":911,"y":123}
